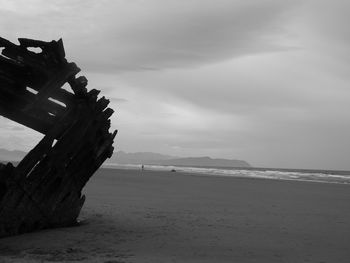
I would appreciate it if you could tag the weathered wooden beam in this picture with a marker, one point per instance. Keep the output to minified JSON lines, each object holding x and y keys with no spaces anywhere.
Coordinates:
{"x":42,"y":124}
{"x":55,"y":82}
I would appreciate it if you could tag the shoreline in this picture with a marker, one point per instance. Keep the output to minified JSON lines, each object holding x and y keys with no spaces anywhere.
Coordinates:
{"x":208,"y":174}
{"x":308,"y":170}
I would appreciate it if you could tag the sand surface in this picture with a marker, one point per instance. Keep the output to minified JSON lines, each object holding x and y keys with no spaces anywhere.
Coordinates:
{"x":134,"y":216}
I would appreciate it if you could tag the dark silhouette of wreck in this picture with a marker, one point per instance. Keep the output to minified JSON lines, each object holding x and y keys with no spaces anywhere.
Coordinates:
{"x":44,"y":189}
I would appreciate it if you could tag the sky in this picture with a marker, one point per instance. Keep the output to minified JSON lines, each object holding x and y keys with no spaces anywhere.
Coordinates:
{"x":266,"y":81}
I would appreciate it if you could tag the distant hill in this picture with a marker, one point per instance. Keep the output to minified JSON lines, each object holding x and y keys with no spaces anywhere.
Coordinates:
{"x":145,"y":158}
{"x":138,"y":158}
{"x":8,"y":156}
{"x":160,"y":159}
{"x":206,"y":161}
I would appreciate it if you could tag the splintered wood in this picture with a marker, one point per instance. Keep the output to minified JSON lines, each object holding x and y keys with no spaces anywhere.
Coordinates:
{"x":44,"y":189}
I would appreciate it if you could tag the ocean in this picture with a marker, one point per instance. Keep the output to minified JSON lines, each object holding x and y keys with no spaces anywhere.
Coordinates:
{"x":322,"y":176}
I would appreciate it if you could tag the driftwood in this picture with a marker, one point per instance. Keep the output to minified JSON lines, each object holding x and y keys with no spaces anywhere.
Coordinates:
{"x":44,"y":189}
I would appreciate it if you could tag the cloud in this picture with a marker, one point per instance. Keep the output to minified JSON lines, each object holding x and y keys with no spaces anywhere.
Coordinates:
{"x":275,"y":108}
{"x":133,"y":35}
{"x":17,"y":128}
{"x":168,"y":34}
{"x":261,"y":80}
{"x":118,"y":100}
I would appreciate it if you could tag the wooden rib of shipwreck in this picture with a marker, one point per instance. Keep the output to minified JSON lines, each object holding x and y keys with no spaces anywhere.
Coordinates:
{"x":44,"y":189}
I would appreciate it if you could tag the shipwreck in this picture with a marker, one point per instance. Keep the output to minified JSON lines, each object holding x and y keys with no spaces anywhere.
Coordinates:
{"x":44,"y":190}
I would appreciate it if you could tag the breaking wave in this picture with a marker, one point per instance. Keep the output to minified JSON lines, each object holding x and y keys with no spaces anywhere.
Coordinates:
{"x":342,"y":177}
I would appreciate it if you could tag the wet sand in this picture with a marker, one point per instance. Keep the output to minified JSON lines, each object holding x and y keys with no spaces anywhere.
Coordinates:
{"x":134,"y":216}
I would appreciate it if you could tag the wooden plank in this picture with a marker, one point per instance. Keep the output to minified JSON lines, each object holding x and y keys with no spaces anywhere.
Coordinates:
{"x":55,"y":82}
{"x":41,"y":125}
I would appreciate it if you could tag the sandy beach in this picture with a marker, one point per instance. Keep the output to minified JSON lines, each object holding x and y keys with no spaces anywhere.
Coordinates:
{"x":148,"y":216}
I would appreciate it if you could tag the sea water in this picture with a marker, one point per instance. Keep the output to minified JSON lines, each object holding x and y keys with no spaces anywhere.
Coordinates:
{"x":324,"y":176}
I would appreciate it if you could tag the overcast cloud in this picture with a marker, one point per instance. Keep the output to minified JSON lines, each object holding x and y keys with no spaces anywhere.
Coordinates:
{"x":261,"y":80}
